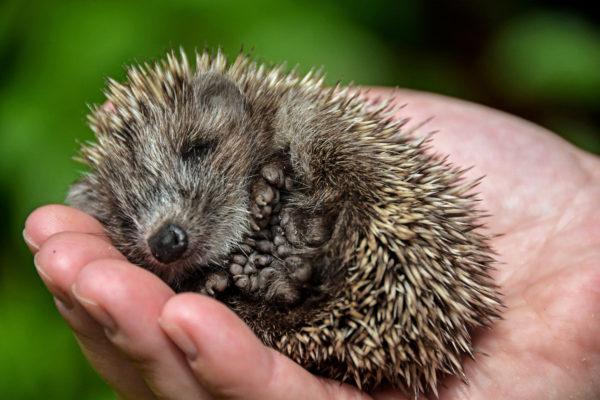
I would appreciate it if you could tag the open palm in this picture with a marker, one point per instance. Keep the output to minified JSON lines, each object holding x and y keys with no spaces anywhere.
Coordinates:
{"x":543,"y":194}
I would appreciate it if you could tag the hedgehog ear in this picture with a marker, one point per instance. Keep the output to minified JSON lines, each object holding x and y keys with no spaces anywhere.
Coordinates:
{"x":217,"y":93}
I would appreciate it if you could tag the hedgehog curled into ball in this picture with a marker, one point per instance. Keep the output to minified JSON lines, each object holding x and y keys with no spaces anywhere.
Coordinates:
{"x":335,"y":236}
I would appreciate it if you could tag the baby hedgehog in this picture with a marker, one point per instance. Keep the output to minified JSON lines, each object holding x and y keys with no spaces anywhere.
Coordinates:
{"x":334,"y":235}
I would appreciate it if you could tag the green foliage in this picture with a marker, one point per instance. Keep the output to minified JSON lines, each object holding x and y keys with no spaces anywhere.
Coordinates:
{"x":54,"y":57}
{"x":548,"y":57}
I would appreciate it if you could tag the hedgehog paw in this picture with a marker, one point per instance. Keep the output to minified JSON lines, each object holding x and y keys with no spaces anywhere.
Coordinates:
{"x":302,"y":229}
{"x":215,"y":283}
{"x":274,"y":174}
{"x":282,"y":282}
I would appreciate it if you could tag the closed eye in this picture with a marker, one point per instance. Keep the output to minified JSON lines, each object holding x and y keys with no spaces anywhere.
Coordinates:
{"x":197,"y":150}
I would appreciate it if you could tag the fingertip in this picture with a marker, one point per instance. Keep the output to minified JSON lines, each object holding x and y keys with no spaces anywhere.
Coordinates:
{"x":64,"y":254}
{"x":30,"y":242}
{"x":188,"y":308}
{"x":205,"y":318}
{"x":223,"y":352}
{"x":132,"y":296}
{"x":101,"y":280}
{"x":116,"y":280}
{"x":231,"y":362}
{"x":48,"y":220}
{"x":97,"y":284}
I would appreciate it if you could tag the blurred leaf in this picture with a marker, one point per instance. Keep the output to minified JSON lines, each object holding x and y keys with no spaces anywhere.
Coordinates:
{"x":547,"y":56}
{"x":38,"y":355}
{"x":578,"y":131}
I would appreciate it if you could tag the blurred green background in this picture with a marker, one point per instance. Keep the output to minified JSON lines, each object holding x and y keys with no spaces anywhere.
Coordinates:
{"x":539,"y":60}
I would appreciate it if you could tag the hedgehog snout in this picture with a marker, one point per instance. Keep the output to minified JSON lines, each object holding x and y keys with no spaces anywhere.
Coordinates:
{"x":168,"y":243}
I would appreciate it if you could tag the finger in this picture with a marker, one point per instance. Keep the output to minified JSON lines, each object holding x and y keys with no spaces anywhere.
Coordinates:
{"x":58,"y":262}
{"x":232,"y":363}
{"x":389,"y":393}
{"x":127,"y":301}
{"x":48,"y":220}
{"x":64,"y":254}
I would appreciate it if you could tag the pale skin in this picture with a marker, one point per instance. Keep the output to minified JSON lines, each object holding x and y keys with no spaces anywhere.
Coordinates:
{"x":544,"y":196}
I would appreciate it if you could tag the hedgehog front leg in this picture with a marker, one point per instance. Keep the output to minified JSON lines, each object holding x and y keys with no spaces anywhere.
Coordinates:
{"x":289,"y":270}
{"x":274,"y":263}
{"x":302,"y":221}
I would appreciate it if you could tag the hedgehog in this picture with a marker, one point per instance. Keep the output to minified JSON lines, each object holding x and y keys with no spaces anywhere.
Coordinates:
{"x":339,"y":238}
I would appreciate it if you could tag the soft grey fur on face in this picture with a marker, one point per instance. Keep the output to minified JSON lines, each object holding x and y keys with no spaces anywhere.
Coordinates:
{"x":380,"y":272}
{"x":188,"y":163}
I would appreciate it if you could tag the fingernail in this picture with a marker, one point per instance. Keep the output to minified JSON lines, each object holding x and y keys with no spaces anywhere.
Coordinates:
{"x":61,"y":306}
{"x":97,"y":312}
{"x":29,"y":242}
{"x":180,"y":338}
{"x":52,"y":287}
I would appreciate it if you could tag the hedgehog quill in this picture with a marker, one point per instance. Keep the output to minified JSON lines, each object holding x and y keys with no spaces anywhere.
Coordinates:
{"x":332,"y":233}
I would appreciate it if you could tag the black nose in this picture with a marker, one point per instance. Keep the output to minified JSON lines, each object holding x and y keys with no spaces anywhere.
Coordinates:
{"x":168,"y":243}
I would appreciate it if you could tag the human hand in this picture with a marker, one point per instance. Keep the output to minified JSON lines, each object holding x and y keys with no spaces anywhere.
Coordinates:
{"x":149,"y":343}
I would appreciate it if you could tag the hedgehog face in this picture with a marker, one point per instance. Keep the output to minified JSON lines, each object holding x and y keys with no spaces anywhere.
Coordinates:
{"x":171,"y":175}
